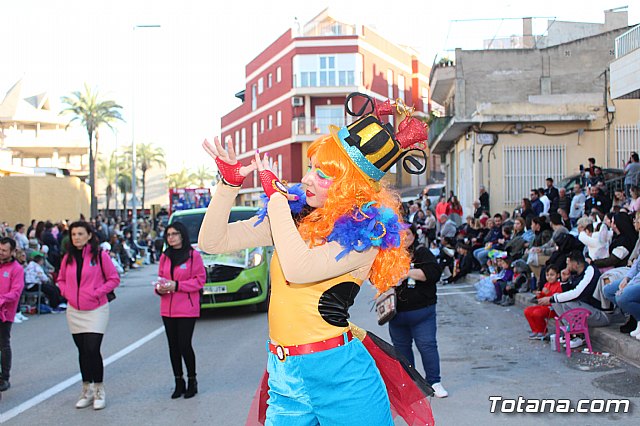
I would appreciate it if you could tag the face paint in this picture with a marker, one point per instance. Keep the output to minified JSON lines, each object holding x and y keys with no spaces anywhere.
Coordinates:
{"x":318,"y":184}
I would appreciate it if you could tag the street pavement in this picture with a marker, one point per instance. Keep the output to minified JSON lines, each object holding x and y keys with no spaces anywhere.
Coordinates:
{"x":484,"y":351}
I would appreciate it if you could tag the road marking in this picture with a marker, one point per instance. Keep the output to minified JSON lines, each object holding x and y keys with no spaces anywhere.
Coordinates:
{"x":4,"y":417}
{"x":456,"y":292}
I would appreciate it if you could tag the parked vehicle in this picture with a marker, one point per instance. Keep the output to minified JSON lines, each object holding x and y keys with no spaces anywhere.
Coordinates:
{"x":434,"y":191}
{"x":233,"y":279}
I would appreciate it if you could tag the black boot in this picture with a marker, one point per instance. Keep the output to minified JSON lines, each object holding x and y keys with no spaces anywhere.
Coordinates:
{"x":629,"y":326}
{"x":179,"y":391}
{"x":192,"y":388}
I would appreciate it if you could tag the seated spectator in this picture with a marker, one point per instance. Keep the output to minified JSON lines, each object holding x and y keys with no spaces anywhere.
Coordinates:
{"x":21,"y":257}
{"x":516,"y":246}
{"x":485,"y":225}
{"x":584,"y":280}
{"x":622,"y":244}
{"x":22,"y":242}
{"x":448,"y":228}
{"x":419,"y":218}
{"x":633,"y":204}
{"x":526,"y":209}
{"x":566,"y":221}
{"x":538,"y":315}
{"x":597,"y":200}
{"x":465,"y":263}
{"x":495,"y":233}
{"x":486,"y":287}
{"x":619,"y":199}
{"x":505,"y":280}
{"x":544,"y":251}
{"x":596,"y":242}
{"x":467,"y":230}
{"x":625,"y":294}
{"x":519,"y":284}
{"x":430,"y":226}
{"x":35,"y":276}
{"x":506,"y":219}
{"x":565,"y":245}
{"x":446,"y":258}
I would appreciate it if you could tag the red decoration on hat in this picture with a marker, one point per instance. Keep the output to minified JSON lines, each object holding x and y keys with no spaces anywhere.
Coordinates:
{"x":411,"y":131}
{"x":382,"y":108}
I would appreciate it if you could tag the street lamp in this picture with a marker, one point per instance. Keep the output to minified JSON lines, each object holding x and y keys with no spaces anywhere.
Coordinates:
{"x":134,"y":204}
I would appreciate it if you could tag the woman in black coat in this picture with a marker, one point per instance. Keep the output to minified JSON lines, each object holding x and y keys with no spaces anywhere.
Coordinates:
{"x":624,"y":240}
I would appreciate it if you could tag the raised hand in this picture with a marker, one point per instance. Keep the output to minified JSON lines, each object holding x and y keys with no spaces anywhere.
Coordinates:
{"x":270,"y":182}
{"x":232,"y":172}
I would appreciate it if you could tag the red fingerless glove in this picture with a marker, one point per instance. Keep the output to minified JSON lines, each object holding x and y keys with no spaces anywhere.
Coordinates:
{"x":230,"y":173}
{"x":271,"y":184}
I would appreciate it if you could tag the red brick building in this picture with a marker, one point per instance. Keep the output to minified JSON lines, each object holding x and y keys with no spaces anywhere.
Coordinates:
{"x":298,"y":85}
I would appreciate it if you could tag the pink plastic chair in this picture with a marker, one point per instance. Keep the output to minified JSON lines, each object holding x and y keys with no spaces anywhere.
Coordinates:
{"x":577,"y":324}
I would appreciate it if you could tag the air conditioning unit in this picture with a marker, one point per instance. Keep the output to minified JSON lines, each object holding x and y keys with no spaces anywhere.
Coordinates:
{"x":297,"y":101}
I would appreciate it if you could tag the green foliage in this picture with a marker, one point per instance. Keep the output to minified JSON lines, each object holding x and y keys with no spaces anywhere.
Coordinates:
{"x":92,"y":112}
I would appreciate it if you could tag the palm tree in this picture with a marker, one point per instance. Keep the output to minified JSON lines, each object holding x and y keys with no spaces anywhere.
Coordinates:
{"x":124,"y":185}
{"x":92,"y":112}
{"x":201,"y":175}
{"x":108,"y":171}
{"x":180,"y":179}
{"x":147,"y":155}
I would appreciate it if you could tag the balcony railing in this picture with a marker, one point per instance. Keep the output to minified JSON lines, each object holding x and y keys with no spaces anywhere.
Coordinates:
{"x":336,"y":78}
{"x":304,"y":126}
{"x":628,"y":42}
{"x":437,"y":126}
{"x":325,"y":29}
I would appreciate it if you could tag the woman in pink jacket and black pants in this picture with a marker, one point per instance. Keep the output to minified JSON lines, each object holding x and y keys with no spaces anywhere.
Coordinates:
{"x":86,"y":276}
{"x":181,"y":277}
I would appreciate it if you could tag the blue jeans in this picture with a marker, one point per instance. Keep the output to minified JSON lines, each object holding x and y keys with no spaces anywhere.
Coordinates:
{"x":482,"y":255}
{"x":420,"y":326}
{"x":628,"y":301}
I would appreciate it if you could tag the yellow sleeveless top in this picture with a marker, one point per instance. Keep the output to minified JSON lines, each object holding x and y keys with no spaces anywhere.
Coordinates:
{"x":307,"y":313}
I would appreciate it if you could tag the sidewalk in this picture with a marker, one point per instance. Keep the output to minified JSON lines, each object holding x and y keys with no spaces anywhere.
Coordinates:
{"x":604,"y":339}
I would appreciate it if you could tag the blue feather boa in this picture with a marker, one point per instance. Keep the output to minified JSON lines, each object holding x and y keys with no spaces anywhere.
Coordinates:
{"x":352,"y":234}
{"x":296,"y":206}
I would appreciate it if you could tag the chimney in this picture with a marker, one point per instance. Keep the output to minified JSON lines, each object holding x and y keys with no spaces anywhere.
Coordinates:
{"x":616,"y":18}
{"x":527,"y":33}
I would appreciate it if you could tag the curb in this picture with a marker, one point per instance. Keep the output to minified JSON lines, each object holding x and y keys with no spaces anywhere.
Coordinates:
{"x":607,"y":339}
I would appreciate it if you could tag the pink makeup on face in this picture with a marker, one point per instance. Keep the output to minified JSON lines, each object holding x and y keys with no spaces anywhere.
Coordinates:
{"x":323,"y":180}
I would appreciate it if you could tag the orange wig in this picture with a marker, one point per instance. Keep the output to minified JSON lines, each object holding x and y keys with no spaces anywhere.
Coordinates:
{"x":350,"y":188}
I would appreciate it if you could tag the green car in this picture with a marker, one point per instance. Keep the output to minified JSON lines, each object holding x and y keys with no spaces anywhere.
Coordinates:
{"x":233,"y":279}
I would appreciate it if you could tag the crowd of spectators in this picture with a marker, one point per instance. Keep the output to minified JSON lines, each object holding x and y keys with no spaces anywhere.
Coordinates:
{"x":576,"y":248}
{"x":41,"y":245}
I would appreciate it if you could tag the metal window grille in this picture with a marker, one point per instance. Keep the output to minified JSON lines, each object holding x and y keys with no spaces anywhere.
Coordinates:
{"x":527,"y":167}
{"x":627,"y":141}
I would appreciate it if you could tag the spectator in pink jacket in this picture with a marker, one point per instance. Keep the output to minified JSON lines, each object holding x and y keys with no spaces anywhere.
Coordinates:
{"x":181,"y":276}
{"x":86,"y":276}
{"x":11,"y":284}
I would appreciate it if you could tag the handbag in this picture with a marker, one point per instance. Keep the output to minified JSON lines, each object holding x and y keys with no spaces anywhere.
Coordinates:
{"x":111,"y":296}
{"x":386,"y":306}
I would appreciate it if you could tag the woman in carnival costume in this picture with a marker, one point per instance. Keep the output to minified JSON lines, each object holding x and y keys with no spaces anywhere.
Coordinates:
{"x":341,"y":231}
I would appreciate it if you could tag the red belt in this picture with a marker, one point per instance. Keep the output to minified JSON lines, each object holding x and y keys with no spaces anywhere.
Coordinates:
{"x":282,"y":352}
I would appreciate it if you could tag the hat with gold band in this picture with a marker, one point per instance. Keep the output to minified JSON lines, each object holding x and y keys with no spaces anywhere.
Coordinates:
{"x":374,"y":146}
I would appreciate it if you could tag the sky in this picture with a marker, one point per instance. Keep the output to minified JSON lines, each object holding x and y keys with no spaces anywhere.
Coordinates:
{"x":175,"y":82}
